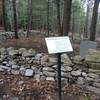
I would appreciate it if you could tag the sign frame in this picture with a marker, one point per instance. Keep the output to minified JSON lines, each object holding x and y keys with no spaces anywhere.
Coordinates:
{"x":58,"y":44}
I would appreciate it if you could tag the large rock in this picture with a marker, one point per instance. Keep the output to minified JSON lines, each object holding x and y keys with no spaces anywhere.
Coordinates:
{"x":89,"y":79}
{"x":96,"y":84}
{"x":13,"y":52}
{"x":92,"y":75}
{"x":37,"y":77}
{"x":80,"y":80}
{"x":93,"y":56}
{"x":10,"y":49}
{"x":21,"y":50}
{"x":15,"y":66}
{"x":45,"y":60}
{"x":4,"y":63}
{"x":32,"y":51}
{"x":93,"y":89}
{"x":63,"y":69}
{"x":76,"y":73}
{"x":53,"y":60}
{"x":3,"y":51}
{"x":48,"y":69}
{"x":22,"y":70}
{"x":94,"y":71}
{"x":29,"y":53}
{"x":29,"y":72}
{"x":77,"y":59}
{"x":49,"y":74}
{"x":84,"y":74}
{"x":95,"y":66}
{"x":50,"y":79}
{"x":5,"y":67}
{"x":66,"y":75}
{"x":38,"y":56}
{"x":15,"y":72}
{"x":1,"y":69}
{"x":67,"y":68}
{"x":65,"y":59}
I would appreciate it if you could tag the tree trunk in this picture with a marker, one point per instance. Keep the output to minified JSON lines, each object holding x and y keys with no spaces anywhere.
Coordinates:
{"x":29,"y":17}
{"x":94,"y":20}
{"x":4,"y":15}
{"x":58,"y":18}
{"x":48,"y":14}
{"x":15,"y":19}
{"x":87,"y":21}
{"x":73,"y":26}
{"x":67,"y":16}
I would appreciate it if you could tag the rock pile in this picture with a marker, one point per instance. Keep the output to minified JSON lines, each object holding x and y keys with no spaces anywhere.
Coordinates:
{"x":91,"y":64}
{"x":29,"y":63}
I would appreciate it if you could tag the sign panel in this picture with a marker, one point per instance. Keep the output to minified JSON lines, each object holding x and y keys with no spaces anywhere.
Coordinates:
{"x":85,"y":45}
{"x":58,"y":44}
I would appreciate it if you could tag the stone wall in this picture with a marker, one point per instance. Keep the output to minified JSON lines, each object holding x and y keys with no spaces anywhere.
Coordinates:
{"x":29,"y":63}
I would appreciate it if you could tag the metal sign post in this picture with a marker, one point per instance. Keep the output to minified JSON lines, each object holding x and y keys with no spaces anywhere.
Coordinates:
{"x":59,"y":76}
{"x":58,"y":45}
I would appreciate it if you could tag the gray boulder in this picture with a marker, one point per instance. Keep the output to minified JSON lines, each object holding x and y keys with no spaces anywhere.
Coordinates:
{"x":15,"y":66}
{"x":65,"y":59}
{"x":10,"y":49}
{"x":50,"y":79}
{"x":29,"y":72}
{"x":93,"y":89}
{"x":3,"y":51}
{"x":80,"y":80}
{"x":5,"y":67}
{"x":76,"y":73}
{"x":92,"y":75}
{"x":48,"y":69}
{"x":44,"y":60}
{"x":21,"y":50}
{"x":28,"y":53}
{"x":96,"y":84}
{"x":67,"y":68}
{"x":13,"y":52}
{"x":38,"y":56}
{"x":49,"y":74}
{"x":66,"y":75}
{"x":15,"y":72}
{"x":1,"y":69}
{"x":84,"y":74}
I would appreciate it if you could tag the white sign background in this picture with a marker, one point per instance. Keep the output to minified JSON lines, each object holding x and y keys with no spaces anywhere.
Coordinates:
{"x":58,"y":44}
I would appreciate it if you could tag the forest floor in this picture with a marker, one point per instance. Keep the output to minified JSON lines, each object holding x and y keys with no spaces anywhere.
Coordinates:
{"x":73,"y":92}
{"x":36,"y":42}
{"x":14,"y":87}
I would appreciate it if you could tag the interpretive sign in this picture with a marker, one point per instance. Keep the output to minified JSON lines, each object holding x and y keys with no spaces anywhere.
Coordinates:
{"x":85,"y":45}
{"x":58,"y":44}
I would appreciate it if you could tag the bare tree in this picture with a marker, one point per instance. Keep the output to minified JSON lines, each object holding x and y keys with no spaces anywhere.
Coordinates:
{"x":94,"y":20}
{"x":87,"y":21}
{"x":67,"y":16}
{"x":15,"y":19}
{"x":4,"y":15}
{"x":29,"y":17}
{"x":58,"y":18}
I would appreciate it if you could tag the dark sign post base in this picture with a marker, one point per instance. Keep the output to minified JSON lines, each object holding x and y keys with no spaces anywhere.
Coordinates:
{"x":59,"y":76}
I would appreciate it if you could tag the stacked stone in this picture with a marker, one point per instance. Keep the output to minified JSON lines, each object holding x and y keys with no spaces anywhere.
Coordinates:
{"x":91,"y":65}
{"x":42,"y":66}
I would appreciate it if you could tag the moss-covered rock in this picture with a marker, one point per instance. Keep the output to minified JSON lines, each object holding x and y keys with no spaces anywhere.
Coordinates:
{"x":93,"y":59}
{"x":77,"y":59}
{"x":93,"y":56}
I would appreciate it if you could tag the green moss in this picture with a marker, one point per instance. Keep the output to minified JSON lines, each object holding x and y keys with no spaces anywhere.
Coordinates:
{"x":83,"y":98}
